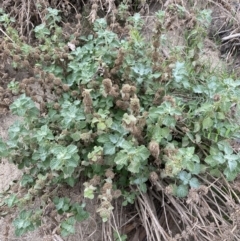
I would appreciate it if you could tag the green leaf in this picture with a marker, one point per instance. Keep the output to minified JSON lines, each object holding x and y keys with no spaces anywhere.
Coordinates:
{"x":198,"y":89}
{"x":230,"y":175}
{"x":22,"y":223}
{"x":67,"y":171}
{"x":197,"y":138}
{"x":26,"y":179}
{"x":207,"y":123}
{"x":3,"y":149}
{"x":195,"y":158}
{"x":76,"y":136}
{"x":143,"y":187}
{"x":215,"y":172}
{"x":194,"y":182}
{"x":187,"y":152}
{"x":68,"y":226}
{"x":221,"y":116}
{"x":185,"y":141}
{"x":182,"y":191}
{"x":11,"y":200}
{"x":143,"y":152}
{"x":129,"y":119}
{"x":211,"y":161}
{"x":219,"y":158}
{"x":24,"y":106}
{"x":41,"y":30}
{"x":62,"y":204}
{"x":44,"y":133}
{"x":109,"y":149}
{"x":197,"y":168}
{"x":80,"y":213}
{"x":89,"y":192}
{"x":232,"y":164}
{"x":179,"y":72}
{"x":56,"y":164}
{"x":124,"y":144}
{"x":70,"y":181}
{"x":40,"y":154}
{"x":118,"y":237}
{"x":114,"y":138}
{"x":15,"y":129}
{"x":101,"y":126}
{"x":103,"y":138}
{"x":140,"y":180}
{"x":226,"y":147}
{"x":159,"y":133}
{"x":184,"y":177}
{"x":197,"y":127}
{"x":121,"y":159}
{"x":169,"y":121}
{"x":72,"y":149}
{"x":205,"y":107}
{"x":119,"y":128}
{"x":134,"y":166}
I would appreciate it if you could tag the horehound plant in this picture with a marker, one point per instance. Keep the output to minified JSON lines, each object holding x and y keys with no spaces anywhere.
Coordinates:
{"x":129,"y":120}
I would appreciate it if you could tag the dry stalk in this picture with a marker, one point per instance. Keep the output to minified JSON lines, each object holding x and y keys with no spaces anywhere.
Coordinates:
{"x":153,"y":229}
{"x":207,"y":213}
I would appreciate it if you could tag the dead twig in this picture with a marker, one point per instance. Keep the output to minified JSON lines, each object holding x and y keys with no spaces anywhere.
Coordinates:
{"x":231,"y":37}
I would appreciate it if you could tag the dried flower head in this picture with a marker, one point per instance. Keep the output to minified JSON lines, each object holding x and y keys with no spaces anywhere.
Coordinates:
{"x":35,"y":99}
{"x":125,"y":96}
{"x":216,"y":97}
{"x":203,"y":190}
{"x":114,"y":71}
{"x":57,"y":81}
{"x":87,"y":101}
{"x":107,"y":186}
{"x":126,"y":88}
{"x":133,"y":89}
{"x":117,"y":193}
{"x":58,"y":91}
{"x":154,"y":149}
{"x":86,"y":137}
{"x":135,"y":105}
{"x":169,"y":189}
{"x":156,"y":43}
{"x":32,"y":80}
{"x":74,"y":93}
{"x":42,"y":107}
{"x":95,"y":180}
{"x":65,"y":87}
{"x":155,"y":56}
{"x":22,"y":86}
{"x":56,"y":106}
{"x":107,"y":84}
{"x":25,"y":63}
{"x":154,"y":177}
{"x":170,"y":99}
{"x":114,"y":92}
{"x":122,"y":104}
{"x":95,"y":6}
{"x":109,"y":174}
{"x":78,"y":16}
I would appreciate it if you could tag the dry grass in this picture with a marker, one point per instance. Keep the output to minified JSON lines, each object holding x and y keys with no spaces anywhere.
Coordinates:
{"x":210,"y":212}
